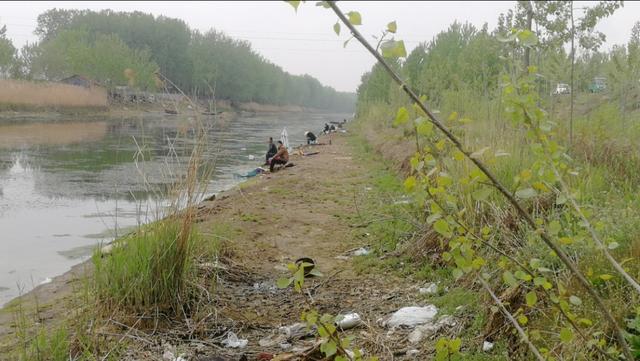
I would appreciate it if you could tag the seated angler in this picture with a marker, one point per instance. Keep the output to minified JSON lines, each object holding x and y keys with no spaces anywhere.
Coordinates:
{"x":311,"y":138}
{"x":281,"y":157}
{"x":271,"y":151}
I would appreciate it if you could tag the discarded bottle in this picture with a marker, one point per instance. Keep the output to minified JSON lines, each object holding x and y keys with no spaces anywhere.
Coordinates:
{"x":350,"y":320}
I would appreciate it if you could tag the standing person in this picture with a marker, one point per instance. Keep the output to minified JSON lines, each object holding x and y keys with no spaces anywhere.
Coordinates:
{"x":271,"y":151}
{"x":311,"y":138}
{"x":281,"y":157}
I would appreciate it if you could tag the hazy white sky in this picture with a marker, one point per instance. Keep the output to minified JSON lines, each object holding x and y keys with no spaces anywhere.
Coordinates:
{"x":305,"y":42}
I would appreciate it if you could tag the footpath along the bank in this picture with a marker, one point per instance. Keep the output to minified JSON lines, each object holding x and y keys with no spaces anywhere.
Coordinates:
{"x":314,"y":209}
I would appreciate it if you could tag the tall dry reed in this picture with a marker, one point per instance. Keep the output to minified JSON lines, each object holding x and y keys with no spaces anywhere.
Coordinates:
{"x":45,"y":94}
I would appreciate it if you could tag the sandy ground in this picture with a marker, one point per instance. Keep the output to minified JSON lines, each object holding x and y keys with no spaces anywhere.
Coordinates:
{"x":309,"y":210}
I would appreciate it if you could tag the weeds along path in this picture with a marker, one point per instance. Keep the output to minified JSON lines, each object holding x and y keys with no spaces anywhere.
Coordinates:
{"x":314,"y":209}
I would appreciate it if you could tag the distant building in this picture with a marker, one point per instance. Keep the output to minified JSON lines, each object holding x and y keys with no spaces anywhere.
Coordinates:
{"x":79,"y":80}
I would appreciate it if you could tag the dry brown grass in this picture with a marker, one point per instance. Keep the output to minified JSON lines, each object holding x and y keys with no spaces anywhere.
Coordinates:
{"x":24,"y":93}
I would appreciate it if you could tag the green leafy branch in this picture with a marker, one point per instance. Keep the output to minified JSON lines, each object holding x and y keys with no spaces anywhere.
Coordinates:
{"x":331,"y":345}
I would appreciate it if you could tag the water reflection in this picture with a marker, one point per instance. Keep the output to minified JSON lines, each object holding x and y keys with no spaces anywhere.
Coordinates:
{"x":65,"y":186}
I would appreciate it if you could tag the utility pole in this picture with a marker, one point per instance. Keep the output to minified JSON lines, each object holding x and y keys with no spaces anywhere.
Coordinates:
{"x":573,"y":61}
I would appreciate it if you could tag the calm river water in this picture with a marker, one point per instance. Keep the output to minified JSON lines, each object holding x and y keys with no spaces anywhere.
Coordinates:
{"x":66,"y":186}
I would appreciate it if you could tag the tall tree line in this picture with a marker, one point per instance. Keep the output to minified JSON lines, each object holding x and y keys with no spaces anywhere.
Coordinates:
{"x":120,"y":48}
{"x":464,"y":62}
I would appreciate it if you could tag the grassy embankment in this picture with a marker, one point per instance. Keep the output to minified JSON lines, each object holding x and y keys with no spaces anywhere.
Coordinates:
{"x":607,"y":157}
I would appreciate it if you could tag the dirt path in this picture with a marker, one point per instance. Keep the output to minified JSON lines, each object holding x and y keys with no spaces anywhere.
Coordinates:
{"x":309,"y":210}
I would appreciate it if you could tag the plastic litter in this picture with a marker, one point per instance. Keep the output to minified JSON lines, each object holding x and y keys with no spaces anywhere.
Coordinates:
{"x":251,"y":157}
{"x":233,"y":341}
{"x":361,"y":251}
{"x":272,"y":340}
{"x":412,"y":316}
{"x":352,"y":354}
{"x":168,"y":356}
{"x":429,"y":329}
{"x":429,"y":289}
{"x":350,"y":320}
{"x":413,"y":352}
{"x":296,"y":330}
{"x":487,"y":346}
{"x":266,"y":286}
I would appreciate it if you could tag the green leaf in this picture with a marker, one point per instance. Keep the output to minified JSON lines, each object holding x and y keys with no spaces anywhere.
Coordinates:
{"x":508,"y":278}
{"x":554,"y":227}
{"x":613,"y":245}
{"x":481,"y":194}
{"x":455,"y":344}
{"x":316,"y":272}
{"x":424,"y":127}
{"x":401,"y":117}
{"x":324,"y":4}
{"x":393,"y":49}
{"x":585,"y":321}
{"x":526,"y":193}
{"x":606,"y":277}
{"x":539,"y":281}
{"x":531,"y":298}
{"x":295,"y":4}
{"x":457,"y":273}
{"x":566,"y":335}
{"x":329,"y":348}
{"x":575,"y":300}
{"x":327,"y":318}
{"x":336,"y":28}
{"x":344,"y":45}
{"x":410,"y":183}
{"x":522,"y":319}
{"x":284,"y":282}
{"x":527,"y":38}
{"x":441,"y":226}
{"x":392,"y":27}
{"x":523,"y":276}
{"x":354,"y":18}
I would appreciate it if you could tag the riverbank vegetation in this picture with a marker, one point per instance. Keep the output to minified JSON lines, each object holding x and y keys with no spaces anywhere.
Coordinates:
{"x":120,"y":49}
{"x":17,"y":95}
{"x":534,"y":210}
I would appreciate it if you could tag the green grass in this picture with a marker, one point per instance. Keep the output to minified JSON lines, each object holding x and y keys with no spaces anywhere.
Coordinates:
{"x":149,"y":270}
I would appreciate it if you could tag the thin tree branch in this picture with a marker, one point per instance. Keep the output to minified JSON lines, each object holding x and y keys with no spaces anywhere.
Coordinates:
{"x":523,"y":214}
{"x":509,"y":316}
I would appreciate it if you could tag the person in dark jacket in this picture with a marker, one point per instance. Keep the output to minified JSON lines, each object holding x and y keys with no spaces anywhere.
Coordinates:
{"x":311,"y":138}
{"x":271,"y":151}
{"x":281,"y":157}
